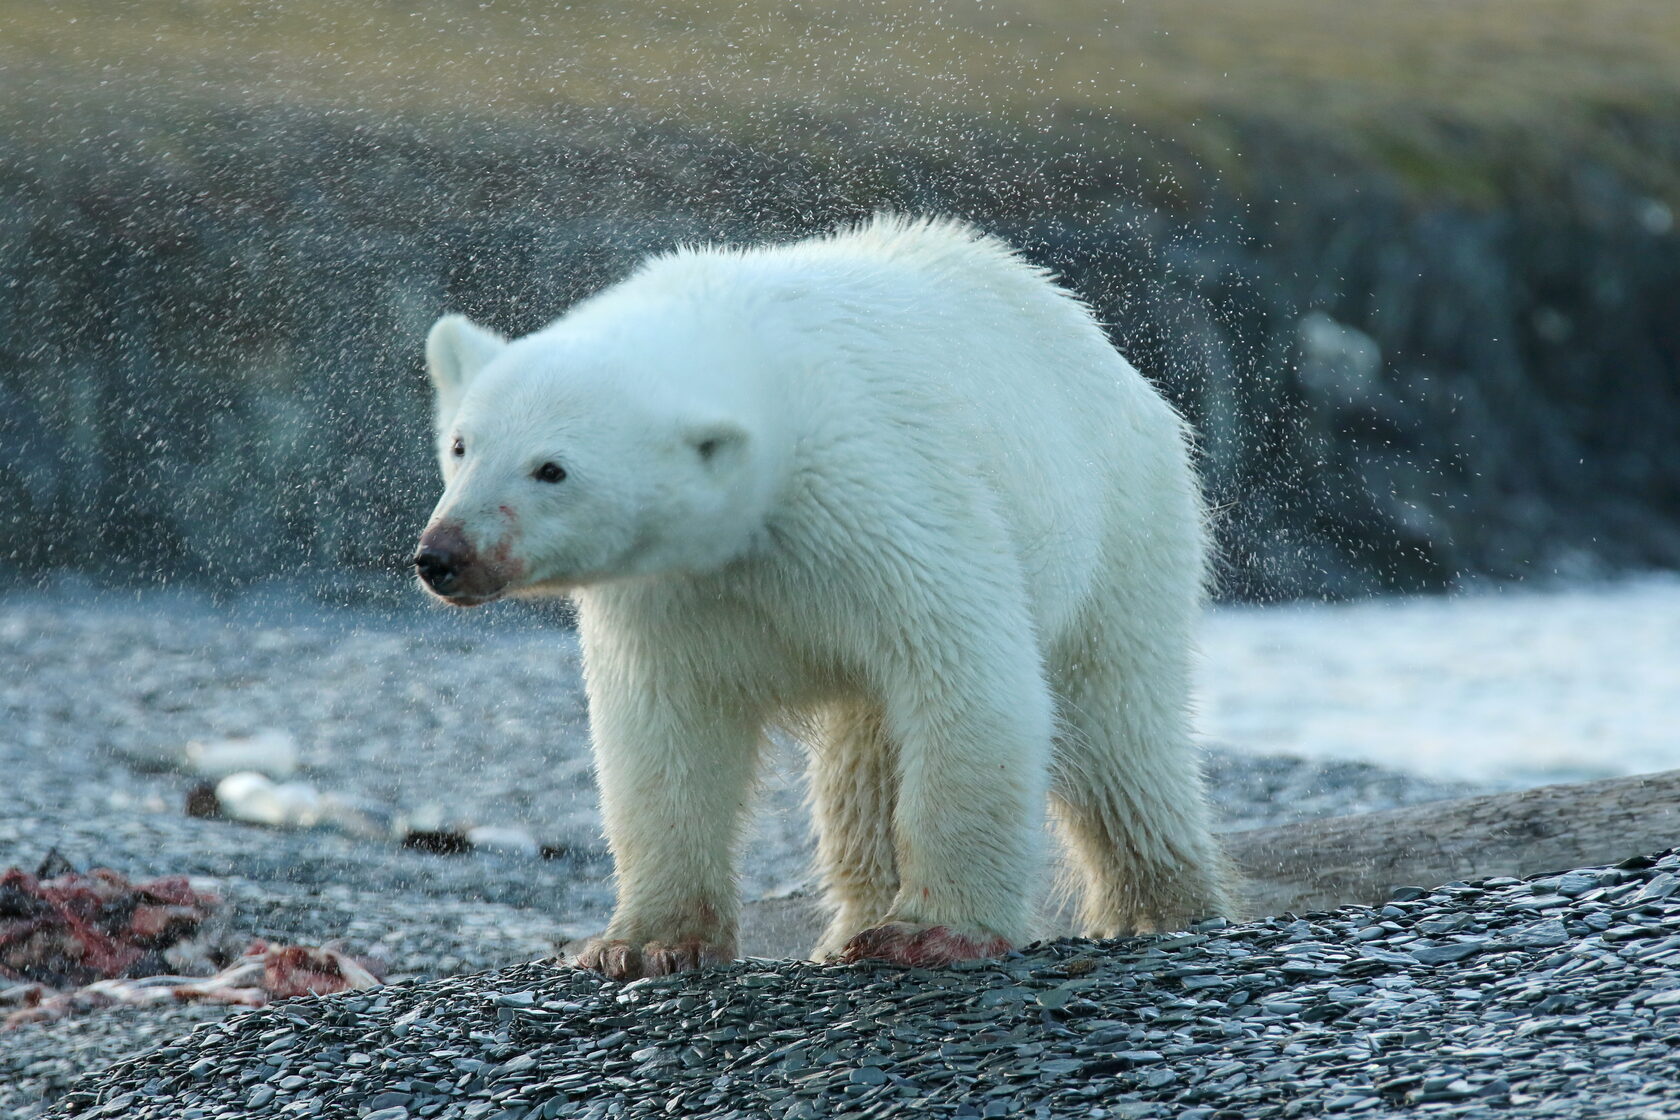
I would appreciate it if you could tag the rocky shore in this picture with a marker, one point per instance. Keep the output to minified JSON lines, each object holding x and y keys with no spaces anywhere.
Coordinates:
{"x":481,"y":722}
{"x":1555,"y":997}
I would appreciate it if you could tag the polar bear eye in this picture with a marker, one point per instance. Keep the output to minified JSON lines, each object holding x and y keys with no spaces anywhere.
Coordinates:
{"x":457,"y":448}
{"x":549,"y":472}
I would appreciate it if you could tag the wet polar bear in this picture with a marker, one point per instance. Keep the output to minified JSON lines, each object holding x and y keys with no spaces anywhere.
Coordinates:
{"x":891,"y":490}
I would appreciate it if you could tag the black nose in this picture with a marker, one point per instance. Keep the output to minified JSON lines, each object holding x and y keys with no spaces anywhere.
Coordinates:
{"x":439,"y":569}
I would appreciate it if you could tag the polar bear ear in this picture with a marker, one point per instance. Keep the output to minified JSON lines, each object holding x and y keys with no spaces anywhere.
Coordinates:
{"x":456,"y":349}
{"x":717,"y":442}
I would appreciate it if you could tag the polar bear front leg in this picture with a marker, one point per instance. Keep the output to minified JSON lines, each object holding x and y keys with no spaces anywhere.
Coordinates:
{"x":675,"y":766}
{"x":974,"y":732}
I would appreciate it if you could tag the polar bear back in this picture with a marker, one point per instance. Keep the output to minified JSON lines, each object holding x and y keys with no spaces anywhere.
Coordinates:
{"x":924,"y":353}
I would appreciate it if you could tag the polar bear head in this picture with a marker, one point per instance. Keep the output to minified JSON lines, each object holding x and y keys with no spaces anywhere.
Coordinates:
{"x":577,"y":455}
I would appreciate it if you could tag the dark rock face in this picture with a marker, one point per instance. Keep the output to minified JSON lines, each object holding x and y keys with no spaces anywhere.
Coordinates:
{"x":211,"y":348}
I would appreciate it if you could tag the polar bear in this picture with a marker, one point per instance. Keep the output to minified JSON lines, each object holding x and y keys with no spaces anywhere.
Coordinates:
{"x":893,"y":491}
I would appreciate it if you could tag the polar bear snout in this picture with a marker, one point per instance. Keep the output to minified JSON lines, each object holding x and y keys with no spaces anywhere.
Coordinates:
{"x":448,"y":564}
{"x":444,"y":555}
{"x":440,"y":570}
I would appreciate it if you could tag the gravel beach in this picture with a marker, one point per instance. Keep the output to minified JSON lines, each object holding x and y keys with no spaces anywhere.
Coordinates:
{"x":1555,"y":997}
{"x":422,"y":715}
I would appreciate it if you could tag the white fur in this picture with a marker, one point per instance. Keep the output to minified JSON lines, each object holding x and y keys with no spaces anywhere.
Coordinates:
{"x":891,"y":489}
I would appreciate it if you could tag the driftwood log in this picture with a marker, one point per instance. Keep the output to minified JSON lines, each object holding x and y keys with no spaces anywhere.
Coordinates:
{"x":1340,"y":861}
{"x":1319,"y":865}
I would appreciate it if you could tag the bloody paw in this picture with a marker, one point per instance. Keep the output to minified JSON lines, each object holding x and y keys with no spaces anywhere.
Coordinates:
{"x":909,"y":943}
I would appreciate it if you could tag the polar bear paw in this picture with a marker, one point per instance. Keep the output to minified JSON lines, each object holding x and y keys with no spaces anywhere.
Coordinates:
{"x":631,"y":960}
{"x":916,"y":945}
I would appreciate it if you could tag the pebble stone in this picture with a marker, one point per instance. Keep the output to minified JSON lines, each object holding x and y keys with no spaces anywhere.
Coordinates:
{"x":1588,"y":1026}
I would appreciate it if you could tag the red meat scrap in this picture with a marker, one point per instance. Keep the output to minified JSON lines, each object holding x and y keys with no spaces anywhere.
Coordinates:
{"x":75,"y":942}
{"x":74,"y":929}
{"x":262,"y":974}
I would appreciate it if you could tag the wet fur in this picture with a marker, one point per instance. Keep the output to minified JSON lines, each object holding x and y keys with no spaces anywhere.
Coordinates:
{"x":954,"y":540}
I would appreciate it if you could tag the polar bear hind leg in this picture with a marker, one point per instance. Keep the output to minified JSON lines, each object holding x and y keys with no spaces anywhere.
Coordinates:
{"x":854,"y":780}
{"x":1125,"y":795}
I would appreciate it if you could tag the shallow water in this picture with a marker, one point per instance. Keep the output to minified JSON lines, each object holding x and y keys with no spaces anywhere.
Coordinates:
{"x":1512,"y":685}
{"x":1508,"y":685}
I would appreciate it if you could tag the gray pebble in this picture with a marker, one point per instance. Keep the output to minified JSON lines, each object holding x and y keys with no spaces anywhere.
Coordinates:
{"x":1446,"y":954}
